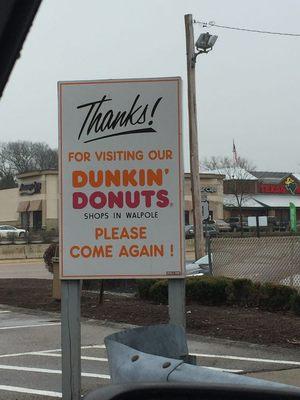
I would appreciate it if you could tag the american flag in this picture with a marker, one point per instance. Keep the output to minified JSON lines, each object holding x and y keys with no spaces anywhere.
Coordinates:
{"x":235,"y":156}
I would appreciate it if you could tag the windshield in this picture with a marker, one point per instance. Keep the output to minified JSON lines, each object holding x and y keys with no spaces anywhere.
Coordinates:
{"x":149,"y":166}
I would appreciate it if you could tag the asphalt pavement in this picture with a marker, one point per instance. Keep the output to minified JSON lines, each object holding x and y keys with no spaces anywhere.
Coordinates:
{"x":30,"y":355}
{"x":18,"y":269}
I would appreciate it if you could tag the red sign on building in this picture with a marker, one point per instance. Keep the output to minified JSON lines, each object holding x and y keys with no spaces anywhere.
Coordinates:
{"x":288,"y":186}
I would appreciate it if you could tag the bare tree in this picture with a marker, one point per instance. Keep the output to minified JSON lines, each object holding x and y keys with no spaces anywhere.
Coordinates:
{"x":18,"y":155}
{"x":23,"y":156}
{"x":7,"y":177}
{"x":7,"y":181}
{"x":238,"y":182}
{"x":44,"y":157}
{"x":221,"y":163}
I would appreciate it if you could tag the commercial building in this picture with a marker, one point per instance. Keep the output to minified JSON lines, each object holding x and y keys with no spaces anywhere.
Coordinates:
{"x":262,"y":193}
{"x":211,"y":185}
{"x":34,"y":203}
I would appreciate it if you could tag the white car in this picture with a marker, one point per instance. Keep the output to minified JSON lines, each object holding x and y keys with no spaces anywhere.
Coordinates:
{"x":8,"y":230}
{"x":199,"y":267}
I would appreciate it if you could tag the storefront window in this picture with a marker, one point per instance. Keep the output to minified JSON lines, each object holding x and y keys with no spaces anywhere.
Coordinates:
{"x":25,"y":220}
{"x":186,"y":217}
{"x":37,"y":219}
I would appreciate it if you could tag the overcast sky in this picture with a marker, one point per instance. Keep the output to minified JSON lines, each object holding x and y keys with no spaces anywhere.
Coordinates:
{"x":247,"y":87}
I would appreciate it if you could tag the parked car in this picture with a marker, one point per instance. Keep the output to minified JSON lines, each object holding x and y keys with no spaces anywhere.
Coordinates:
{"x":189,"y":231}
{"x":199,"y":267}
{"x":284,"y":225}
{"x":222,"y":226}
{"x":8,"y":230}
{"x":275,"y":224}
{"x":207,"y":230}
{"x":210,"y":230}
{"x":236,"y":225}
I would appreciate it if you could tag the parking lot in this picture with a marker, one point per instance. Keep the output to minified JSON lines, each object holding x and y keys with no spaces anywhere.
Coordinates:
{"x":30,"y":356}
{"x":41,"y":372}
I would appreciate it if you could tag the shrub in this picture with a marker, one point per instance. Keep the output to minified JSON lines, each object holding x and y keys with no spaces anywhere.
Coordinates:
{"x":207,"y":290}
{"x":143,"y":288}
{"x":219,"y":290}
{"x":49,"y":253}
{"x":159,"y":292}
{"x":276,"y":297}
{"x":295,"y":303}
{"x":210,"y":290}
{"x":243,"y":292}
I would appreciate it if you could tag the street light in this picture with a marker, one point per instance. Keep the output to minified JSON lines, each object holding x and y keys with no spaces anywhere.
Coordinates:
{"x":204,"y":44}
{"x":176,"y":287}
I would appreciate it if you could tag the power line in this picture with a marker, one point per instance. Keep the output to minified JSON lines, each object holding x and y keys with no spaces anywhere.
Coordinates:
{"x":212,"y":23}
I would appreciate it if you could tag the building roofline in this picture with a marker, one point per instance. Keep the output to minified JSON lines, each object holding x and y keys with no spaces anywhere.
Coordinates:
{"x":37,"y":173}
{"x":274,"y":177}
{"x":206,"y":175}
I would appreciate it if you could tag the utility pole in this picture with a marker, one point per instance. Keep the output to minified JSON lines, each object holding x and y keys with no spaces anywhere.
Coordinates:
{"x":193,"y":134}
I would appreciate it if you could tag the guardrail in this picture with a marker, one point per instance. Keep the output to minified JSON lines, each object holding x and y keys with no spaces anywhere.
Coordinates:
{"x":22,"y":251}
{"x":159,"y":353}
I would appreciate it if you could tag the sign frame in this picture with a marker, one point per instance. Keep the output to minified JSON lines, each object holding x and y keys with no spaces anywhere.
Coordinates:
{"x":180,"y":273}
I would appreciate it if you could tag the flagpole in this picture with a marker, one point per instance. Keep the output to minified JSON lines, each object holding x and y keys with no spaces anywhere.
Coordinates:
{"x":234,"y":153}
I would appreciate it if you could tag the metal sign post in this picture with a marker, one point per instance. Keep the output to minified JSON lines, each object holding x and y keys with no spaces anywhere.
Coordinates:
{"x":176,"y":299}
{"x":71,"y":340}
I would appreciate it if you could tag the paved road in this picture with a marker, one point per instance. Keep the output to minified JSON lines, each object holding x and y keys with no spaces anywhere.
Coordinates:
{"x":33,"y":269}
{"x":30,"y":357}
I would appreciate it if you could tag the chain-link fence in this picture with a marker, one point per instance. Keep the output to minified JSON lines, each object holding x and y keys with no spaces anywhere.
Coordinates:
{"x":265,"y":259}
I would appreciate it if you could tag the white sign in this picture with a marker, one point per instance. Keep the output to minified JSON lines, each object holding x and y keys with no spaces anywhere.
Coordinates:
{"x":205,"y":209}
{"x":262,"y":221}
{"x":121,"y":179}
{"x":251,"y":221}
